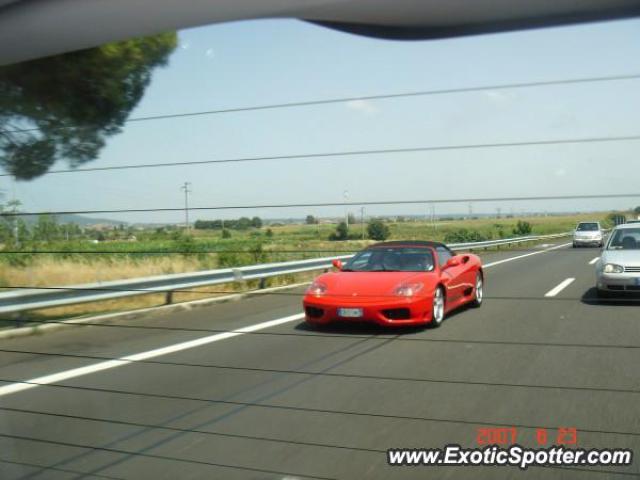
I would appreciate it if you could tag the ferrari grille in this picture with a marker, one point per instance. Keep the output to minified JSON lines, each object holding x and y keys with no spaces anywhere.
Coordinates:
{"x":314,"y":312}
{"x":397,"y":313}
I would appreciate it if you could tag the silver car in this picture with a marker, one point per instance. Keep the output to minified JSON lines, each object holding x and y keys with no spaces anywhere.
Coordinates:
{"x":588,"y":234}
{"x":618,"y":269}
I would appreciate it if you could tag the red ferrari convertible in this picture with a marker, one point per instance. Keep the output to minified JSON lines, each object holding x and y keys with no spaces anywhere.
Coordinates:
{"x":396,"y":283}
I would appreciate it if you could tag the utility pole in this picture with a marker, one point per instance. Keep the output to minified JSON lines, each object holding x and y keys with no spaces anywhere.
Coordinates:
{"x":433,"y":216}
{"x":346,"y":214}
{"x":362,"y":220}
{"x":185,"y":188}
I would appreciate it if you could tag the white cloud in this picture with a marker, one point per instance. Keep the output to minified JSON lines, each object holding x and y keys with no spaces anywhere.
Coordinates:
{"x":210,"y":53}
{"x":363,"y":106}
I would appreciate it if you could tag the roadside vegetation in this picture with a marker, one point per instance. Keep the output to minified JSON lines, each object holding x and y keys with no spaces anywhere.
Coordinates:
{"x":46,"y":253}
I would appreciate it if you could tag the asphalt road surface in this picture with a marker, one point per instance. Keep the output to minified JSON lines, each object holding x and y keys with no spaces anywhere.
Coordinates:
{"x":281,"y":401}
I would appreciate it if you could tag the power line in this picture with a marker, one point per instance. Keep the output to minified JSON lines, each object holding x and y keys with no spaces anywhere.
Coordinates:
{"x":58,"y":469}
{"x":348,"y":153}
{"x":159,"y":457}
{"x":384,"y":96}
{"x":247,"y":252}
{"x":152,"y":291}
{"x":329,"y":204}
{"x":162,"y":457}
{"x":191,"y":430}
{"x":337,"y":330}
{"x":312,"y":373}
{"x":276,"y":406}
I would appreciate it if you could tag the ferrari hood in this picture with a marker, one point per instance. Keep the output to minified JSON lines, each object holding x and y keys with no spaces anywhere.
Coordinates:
{"x":369,"y":283}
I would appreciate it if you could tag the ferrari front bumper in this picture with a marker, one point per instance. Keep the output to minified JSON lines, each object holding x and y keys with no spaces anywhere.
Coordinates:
{"x":397,"y":311}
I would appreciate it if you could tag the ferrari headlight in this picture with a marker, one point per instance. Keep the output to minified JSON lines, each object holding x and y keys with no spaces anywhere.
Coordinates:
{"x":317,"y":289}
{"x":613,"y":268}
{"x":408,"y":289}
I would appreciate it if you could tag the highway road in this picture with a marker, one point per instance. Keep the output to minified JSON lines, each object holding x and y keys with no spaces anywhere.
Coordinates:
{"x":172,"y":396}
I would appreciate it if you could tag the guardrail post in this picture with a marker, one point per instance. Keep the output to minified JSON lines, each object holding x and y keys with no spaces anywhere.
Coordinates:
{"x":263,"y":283}
{"x":17,"y":317}
{"x":168,"y":297}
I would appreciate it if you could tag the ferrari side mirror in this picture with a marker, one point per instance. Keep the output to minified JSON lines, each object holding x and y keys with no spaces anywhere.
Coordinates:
{"x":337,"y":264}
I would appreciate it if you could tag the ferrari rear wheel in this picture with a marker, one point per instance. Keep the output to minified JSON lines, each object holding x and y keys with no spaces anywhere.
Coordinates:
{"x":478,"y":291}
{"x":438,"y":307}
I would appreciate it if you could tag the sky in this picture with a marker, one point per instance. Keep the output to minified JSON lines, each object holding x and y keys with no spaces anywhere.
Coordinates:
{"x":278,"y":61}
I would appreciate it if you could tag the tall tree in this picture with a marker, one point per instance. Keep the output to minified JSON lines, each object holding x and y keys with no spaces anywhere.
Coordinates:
{"x":66,"y":106}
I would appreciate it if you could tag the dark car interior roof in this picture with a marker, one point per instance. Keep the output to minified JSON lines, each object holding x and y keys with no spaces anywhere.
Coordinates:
{"x":31,"y":29}
{"x":408,"y":243}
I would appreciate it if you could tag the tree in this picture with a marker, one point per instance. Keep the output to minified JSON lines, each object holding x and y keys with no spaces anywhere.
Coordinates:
{"x":351,"y":218}
{"x":341,"y":233}
{"x":256,"y":222}
{"x":310,"y":220}
{"x":243,"y":223}
{"x":637,"y":210}
{"x":12,"y":226}
{"x":378,"y":230}
{"x":46,"y":229}
{"x":66,"y":106}
{"x":226,"y":233}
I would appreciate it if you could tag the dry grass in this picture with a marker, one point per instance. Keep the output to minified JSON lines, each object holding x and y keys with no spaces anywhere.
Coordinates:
{"x":48,"y":271}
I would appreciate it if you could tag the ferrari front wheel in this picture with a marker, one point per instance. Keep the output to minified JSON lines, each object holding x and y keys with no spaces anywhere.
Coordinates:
{"x":478,"y":291}
{"x":437,"y":315}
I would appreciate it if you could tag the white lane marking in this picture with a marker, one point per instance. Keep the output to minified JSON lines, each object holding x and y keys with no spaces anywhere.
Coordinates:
{"x":511,"y":259}
{"x":556,"y":290}
{"x":108,"y":364}
{"x":178,"y":347}
{"x":594,"y":260}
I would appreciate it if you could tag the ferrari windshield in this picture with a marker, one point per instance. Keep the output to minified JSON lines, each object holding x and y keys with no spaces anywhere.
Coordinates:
{"x":625,"y":239}
{"x":587,"y":227}
{"x":391,"y":260}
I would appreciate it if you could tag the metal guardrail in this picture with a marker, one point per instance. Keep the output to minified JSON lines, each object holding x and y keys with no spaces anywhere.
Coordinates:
{"x":504,"y":241}
{"x":47,"y":297}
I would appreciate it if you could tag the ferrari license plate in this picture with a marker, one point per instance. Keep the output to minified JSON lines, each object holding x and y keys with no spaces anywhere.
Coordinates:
{"x":350,"y":312}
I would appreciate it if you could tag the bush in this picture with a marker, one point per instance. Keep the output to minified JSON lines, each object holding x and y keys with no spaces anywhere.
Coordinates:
{"x":522,"y":228}
{"x":228,"y":259}
{"x":378,"y":230}
{"x":258,"y":255}
{"x":226,"y":233}
{"x":464,"y":235}
{"x":341,"y":233}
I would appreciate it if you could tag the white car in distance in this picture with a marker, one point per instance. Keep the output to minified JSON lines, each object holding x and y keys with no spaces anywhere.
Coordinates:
{"x":588,"y":234}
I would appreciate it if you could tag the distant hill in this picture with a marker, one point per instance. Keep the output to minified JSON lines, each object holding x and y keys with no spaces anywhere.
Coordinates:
{"x":78,"y":220}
